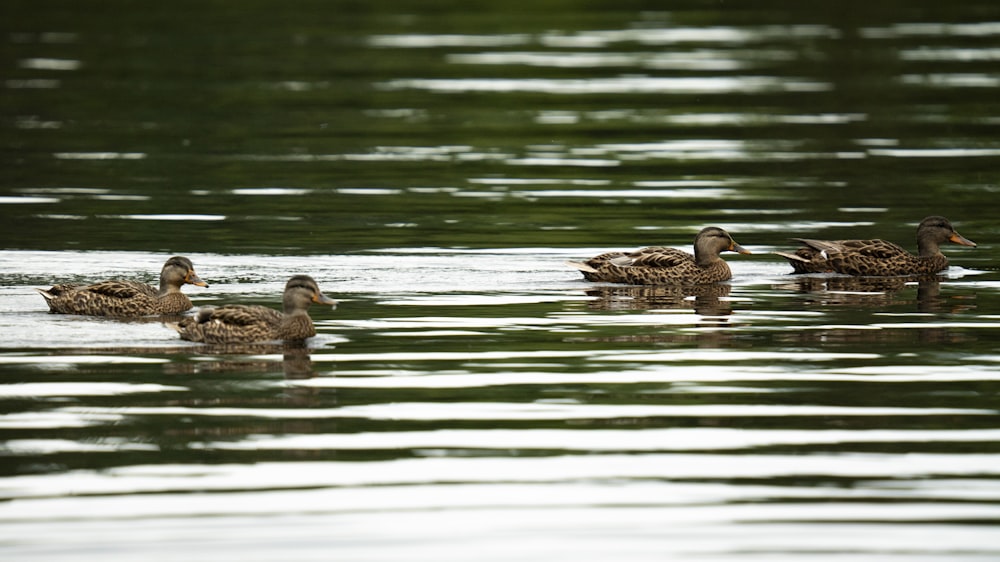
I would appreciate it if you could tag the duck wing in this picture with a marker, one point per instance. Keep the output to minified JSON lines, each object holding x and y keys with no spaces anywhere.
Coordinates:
{"x":240,"y":315}
{"x":120,"y":289}
{"x":657,"y":256}
{"x":875,"y":248}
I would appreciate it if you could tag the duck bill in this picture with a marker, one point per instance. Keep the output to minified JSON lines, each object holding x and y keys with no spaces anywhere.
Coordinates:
{"x":323,"y":299}
{"x":957,"y":238}
{"x":734,"y":247}
{"x":193,"y":279}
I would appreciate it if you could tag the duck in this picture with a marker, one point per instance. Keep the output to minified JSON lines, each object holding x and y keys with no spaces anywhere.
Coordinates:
{"x":242,"y":323}
{"x":657,"y":265}
{"x":119,"y":298}
{"x":877,"y":257}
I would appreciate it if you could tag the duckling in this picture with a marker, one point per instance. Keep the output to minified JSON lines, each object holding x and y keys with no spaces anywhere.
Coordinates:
{"x":240,"y":323}
{"x":878,"y":258}
{"x":127,"y":298}
{"x":666,"y":266}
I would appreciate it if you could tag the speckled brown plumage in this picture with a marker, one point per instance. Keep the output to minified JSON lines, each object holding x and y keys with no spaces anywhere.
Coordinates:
{"x":878,"y":258}
{"x":666,"y":266}
{"x":127,"y":298}
{"x":239,"y":323}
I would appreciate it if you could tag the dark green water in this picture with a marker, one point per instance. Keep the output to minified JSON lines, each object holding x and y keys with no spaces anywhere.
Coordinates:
{"x":433,"y":165}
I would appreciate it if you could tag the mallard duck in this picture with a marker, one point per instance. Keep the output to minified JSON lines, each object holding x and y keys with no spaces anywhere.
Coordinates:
{"x":127,"y":298}
{"x":666,"y":266}
{"x":241,"y":323}
{"x":878,"y":258}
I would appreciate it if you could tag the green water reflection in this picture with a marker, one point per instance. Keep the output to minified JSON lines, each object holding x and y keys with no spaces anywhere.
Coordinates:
{"x":161,"y":111}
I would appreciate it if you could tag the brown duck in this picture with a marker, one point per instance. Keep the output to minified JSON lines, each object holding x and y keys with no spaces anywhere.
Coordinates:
{"x":878,"y":257}
{"x":241,"y":323}
{"x":666,"y":266}
{"x":127,"y":298}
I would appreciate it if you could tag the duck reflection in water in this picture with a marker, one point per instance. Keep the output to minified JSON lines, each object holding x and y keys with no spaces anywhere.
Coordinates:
{"x":838,"y":290}
{"x":709,"y":302}
{"x":296,"y":362}
{"x":706,"y":300}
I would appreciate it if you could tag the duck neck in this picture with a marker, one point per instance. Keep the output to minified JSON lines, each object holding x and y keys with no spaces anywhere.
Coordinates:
{"x":166,"y":288}
{"x":291,"y":308}
{"x":927,"y":248}
{"x":704,"y":258}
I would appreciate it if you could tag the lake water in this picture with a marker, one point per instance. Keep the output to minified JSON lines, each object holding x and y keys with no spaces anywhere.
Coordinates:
{"x":472,"y":398}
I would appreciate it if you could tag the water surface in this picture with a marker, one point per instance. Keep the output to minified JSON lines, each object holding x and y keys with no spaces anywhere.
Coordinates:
{"x":472,"y":396}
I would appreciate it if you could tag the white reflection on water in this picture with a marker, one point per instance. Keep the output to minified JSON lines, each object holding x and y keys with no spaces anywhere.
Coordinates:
{"x":618,"y":85}
{"x":681,"y":34}
{"x":383,"y":154}
{"x":34,"y":122}
{"x":758,"y":118}
{"x":61,"y":446}
{"x":50,"y":389}
{"x":271,"y":191}
{"x":54,"y":216}
{"x":673,"y":439}
{"x":935,"y":152}
{"x":54,"y":419}
{"x":18,"y":200}
{"x":67,"y":190}
{"x":70,"y":359}
{"x":953,"y":80}
{"x":720,"y":149}
{"x":122,"y":197}
{"x":978,"y":29}
{"x":100,"y":155}
{"x":579,"y":469}
{"x":589,"y":156}
{"x":536,"y":181}
{"x":445,"y":523}
{"x":562,"y":161}
{"x":595,"y":39}
{"x":490,"y":411}
{"x":951,"y":54}
{"x":368,"y":191}
{"x":49,"y":64}
{"x":700,"y":60}
{"x":698,"y":193}
{"x":676,"y":377}
{"x":600,"y":155}
{"x":408,"y":41}
{"x":167,"y":217}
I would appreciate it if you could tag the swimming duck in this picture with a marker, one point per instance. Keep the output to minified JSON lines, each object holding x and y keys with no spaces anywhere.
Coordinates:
{"x":241,"y":323}
{"x":666,"y":266}
{"x":127,"y":298}
{"x":878,"y":257}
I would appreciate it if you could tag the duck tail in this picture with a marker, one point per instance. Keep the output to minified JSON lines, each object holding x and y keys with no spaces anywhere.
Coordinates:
{"x":791,"y":257}
{"x":581,"y":266}
{"x":46,"y":294}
